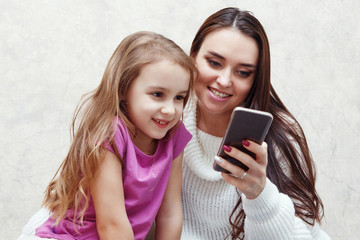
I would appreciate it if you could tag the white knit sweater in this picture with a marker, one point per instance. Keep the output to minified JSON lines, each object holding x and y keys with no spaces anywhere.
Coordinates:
{"x":208,"y":200}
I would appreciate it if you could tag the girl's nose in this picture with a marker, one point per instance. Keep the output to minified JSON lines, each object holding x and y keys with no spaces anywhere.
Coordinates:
{"x":168,"y":108}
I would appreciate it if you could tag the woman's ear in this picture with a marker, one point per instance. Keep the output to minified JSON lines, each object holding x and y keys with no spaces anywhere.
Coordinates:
{"x":193,"y":57}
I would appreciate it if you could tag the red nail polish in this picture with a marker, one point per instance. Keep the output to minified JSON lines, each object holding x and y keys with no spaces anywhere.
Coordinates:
{"x":227,"y":148}
{"x":245,"y":143}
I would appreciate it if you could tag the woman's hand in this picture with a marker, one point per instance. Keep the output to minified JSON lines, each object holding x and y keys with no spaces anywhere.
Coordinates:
{"x":254,"y":180}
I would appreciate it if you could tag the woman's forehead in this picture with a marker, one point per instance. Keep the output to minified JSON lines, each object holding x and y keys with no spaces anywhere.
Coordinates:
{"x":231,"y":44}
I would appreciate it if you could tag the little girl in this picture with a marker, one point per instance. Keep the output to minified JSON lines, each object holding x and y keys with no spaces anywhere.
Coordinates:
{"x":123,"y":169}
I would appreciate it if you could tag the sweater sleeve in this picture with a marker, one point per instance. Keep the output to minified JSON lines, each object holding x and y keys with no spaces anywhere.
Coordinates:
{"x":272,"y":216}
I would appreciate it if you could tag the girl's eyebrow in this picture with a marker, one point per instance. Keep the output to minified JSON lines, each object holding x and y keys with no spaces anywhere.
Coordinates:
{"x":183,"y":92}
{"x":215,"y":54}
{"x":166,"y":89}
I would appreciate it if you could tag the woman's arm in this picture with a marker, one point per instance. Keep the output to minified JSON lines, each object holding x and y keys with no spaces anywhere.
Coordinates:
{"x":169,"y":217}
{"x":272,"y":216}
{"x":269,"y":214}
{"x":108,"y":196}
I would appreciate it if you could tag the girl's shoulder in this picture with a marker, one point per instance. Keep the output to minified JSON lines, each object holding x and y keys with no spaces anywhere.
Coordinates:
{"x":181,"y":133}
{"x":120,"y":137}
{"x":179,"y":139}
{"x":120,"y":129}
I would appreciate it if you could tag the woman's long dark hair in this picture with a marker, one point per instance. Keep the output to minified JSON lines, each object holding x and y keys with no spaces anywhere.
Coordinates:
{"x":290,"y":165}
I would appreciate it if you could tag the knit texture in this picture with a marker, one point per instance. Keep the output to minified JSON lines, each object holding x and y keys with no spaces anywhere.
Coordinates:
{"x":208,"y":200}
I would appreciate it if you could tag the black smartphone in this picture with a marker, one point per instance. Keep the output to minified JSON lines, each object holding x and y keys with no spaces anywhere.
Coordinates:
{"x":248,"y":124}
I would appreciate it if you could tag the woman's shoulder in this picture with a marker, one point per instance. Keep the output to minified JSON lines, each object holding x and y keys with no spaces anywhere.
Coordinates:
{"x":286,"y":117}
{"x":287,"y":126}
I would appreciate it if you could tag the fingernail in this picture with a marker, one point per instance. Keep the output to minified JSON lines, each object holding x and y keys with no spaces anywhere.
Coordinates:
{"x":217,"y":159}
{"x":245,"y":143}
{"x":227,"y":148}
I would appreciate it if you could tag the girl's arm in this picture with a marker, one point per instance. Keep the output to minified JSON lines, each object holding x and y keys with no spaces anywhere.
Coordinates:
{"x":108,"y":196}
{"x":169,"y":217}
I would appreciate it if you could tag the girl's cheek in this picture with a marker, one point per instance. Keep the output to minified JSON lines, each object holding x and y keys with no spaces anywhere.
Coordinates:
{"x":179,"y":111}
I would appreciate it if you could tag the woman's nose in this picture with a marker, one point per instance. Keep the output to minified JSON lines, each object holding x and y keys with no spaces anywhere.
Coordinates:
{"x":224,"y":79}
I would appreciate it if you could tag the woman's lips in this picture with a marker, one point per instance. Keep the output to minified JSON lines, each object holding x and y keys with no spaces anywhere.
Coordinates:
{"x":217,"y":95}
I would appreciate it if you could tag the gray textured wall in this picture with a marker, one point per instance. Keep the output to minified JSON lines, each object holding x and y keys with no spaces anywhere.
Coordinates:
{"x":54,"y":51}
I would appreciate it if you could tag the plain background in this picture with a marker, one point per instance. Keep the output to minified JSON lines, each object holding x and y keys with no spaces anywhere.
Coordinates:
{"x":54,"y":51}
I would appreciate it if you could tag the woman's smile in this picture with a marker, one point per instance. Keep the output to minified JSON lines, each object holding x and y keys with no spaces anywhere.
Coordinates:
{"x":218,"y":94}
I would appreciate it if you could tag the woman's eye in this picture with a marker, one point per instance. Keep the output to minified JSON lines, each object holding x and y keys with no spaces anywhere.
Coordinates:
{"x":243,"y":74}
{"x":214,"y":63}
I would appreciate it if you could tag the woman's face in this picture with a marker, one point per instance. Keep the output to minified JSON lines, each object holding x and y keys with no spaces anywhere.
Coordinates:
{"x":227,"y":62}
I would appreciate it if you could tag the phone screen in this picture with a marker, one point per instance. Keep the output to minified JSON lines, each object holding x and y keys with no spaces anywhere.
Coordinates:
{"x":246,"y":124}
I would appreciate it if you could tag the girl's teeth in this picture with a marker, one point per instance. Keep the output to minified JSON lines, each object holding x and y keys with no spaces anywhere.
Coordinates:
{"x":160,"y":122}
{"x":219,"y":94}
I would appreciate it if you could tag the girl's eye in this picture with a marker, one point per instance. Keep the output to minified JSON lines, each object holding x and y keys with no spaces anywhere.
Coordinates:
{"x":179,"y":98}
{"x":157,"y":94}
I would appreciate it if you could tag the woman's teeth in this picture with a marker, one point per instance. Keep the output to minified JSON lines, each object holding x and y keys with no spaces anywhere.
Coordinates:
{"x":219,"y":94}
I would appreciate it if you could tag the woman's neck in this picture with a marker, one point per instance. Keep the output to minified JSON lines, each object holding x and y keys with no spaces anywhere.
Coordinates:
{"x":214,"y":124}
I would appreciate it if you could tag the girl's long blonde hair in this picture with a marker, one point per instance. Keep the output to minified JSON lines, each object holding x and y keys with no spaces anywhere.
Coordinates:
{"x":93,"y":121}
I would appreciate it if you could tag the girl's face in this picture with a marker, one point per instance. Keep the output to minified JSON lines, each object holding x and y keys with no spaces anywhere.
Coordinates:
{"x":155,"y":100}
{"x":227,"y":62}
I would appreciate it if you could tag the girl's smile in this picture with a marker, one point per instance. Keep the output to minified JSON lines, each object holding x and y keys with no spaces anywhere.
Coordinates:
{"x":161,"y":123}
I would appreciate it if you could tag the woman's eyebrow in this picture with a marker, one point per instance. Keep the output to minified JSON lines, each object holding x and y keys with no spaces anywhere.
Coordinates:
{"x":215,"y":54}
{"x":248,"y":65}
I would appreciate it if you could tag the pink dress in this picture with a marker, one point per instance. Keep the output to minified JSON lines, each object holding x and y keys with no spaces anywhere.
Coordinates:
{"x":144,"y":179}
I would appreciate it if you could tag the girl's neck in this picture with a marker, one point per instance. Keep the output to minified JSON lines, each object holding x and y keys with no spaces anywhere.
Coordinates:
{"x":148,"y":148}
{"x":211,"y":123}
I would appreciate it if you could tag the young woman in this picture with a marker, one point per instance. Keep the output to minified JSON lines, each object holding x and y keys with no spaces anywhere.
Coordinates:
{"x":276,"y":197}
{"x":123,"y":169}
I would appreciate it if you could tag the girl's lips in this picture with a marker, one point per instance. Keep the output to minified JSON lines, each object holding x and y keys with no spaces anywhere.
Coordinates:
{"x":161,"y":123}
{"x":217,"y":95}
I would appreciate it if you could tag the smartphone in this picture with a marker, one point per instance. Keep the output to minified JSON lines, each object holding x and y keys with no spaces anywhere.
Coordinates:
{"x":248,"y":124}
